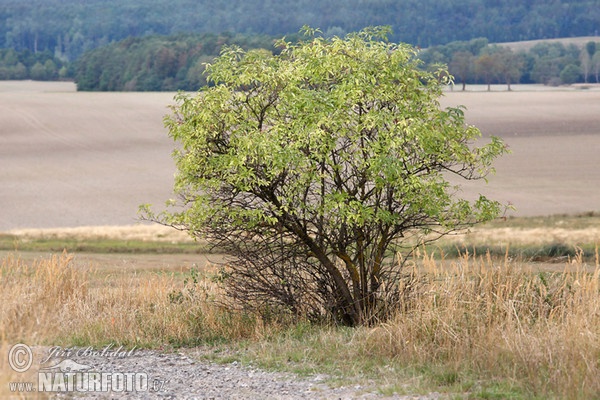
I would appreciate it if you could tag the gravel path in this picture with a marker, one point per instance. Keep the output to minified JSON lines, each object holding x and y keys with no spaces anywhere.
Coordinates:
{"x":180,"y":376}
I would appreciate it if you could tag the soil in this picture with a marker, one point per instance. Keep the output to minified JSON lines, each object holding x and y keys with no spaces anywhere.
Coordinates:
{"x":73,"y":159}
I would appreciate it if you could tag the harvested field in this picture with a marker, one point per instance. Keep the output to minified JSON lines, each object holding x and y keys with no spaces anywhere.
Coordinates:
{"x":554,"y":136}
{"x":80,"y":159}
{"x":74,"y":159}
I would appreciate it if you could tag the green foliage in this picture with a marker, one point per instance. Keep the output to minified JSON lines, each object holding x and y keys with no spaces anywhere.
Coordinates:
{"x":177,"y":62}
{"x":68,"y":28}
{"x":65,"y":31}
{"x":476,"y":61}
{"x":311,"y":166}
{"x":591,"y":48}
{"x":595,"y":66}
{"x":570,"y":74}
{"x":43,"y":66}
{"x":156,"y":63}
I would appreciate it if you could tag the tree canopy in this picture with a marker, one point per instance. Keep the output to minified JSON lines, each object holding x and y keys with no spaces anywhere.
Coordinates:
{"x":314,"y":168}
{"x":177,"y":62}
{"x":68,"y":28}
{"x":42,"y":66}
{"x":477,"y":61}
{"x":128,"y":34}
{"x":157,"y":63}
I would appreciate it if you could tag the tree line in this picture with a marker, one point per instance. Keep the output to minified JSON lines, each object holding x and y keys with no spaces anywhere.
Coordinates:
{"x":24,"y":64}
{"x":156,"y":63}
{"x":548,"y":63}
{"x":159,"y":63}
{"x":69,"y":28}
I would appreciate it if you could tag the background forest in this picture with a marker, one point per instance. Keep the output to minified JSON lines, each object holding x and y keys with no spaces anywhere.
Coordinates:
{"x":161,"y":45}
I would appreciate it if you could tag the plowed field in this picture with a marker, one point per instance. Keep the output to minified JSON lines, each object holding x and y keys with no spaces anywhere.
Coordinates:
{"x":71,"y":159}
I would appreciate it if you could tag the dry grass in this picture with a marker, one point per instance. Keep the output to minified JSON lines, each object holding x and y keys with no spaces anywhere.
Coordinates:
{"x":472,"y":318}
{"x":51,"y":302}
{"x":143,"y":232}
{"x":475,"y":327}
{"x":532,"y":236}
{"x":551,"y":239}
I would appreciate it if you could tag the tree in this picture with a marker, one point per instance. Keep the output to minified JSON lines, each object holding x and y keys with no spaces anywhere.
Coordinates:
{"x":590,"y":47}
{"x":313,"y":169}
{"x":585,"y":60}
{"x":570,"y":74}
{"x":549,"y":60}
{"x":486,"y":67}
{"x":461,"y":66}
{"x":39,"y":72}
{"x":509,"y":65}
{"x":596,"y":66}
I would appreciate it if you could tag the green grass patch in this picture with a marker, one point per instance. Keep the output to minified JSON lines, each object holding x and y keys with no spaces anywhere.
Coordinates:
{"x":338,"y":355}
{"x":99,"y":245}
{"x":566,"y":221}
{"x":549,"y":252}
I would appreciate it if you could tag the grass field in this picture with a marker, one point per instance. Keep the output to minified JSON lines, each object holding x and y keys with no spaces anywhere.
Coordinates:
{"x":471,"y":327}
{"x":508,"y":311}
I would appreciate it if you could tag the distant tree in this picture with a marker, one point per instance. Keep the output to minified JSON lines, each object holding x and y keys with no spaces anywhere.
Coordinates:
{"x":433,"y":56}
{"x":570,"y":74}
{"x":596,"y":66}
{"x":18,"y":72}
{"x":476,"y":46}
{"x":51,"y":69}
{"x":486,"y":68}
{"x":195,"y":74}
{"x":11,"y":58}
{"x":591,"y":47}
{"x":63,"y":72}
{"x":461,"y":66}
{"x":27,"y":65}
{"x":508,"y":65}
{"x":545,"y":69}
{"x":156,"y":62}
{"x":68,"y":28}
{"x":586,"y":63}
{"x":313,"y":169}
{"x":588,"y":60}
{"x":165,"y":62}
{"x":38,"y":72}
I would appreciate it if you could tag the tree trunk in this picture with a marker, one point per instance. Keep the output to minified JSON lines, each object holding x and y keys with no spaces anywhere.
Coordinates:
{"x":349,"y":307}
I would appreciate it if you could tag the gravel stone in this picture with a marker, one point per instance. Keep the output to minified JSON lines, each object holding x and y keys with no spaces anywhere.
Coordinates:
{"x":173,"y":376}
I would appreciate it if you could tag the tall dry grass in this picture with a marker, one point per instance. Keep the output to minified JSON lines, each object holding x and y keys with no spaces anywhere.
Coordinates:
{"x":475,"y":327}
{"x":473,"y":317}
{"x":53,"y":302}
{"x":466,"y":324}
